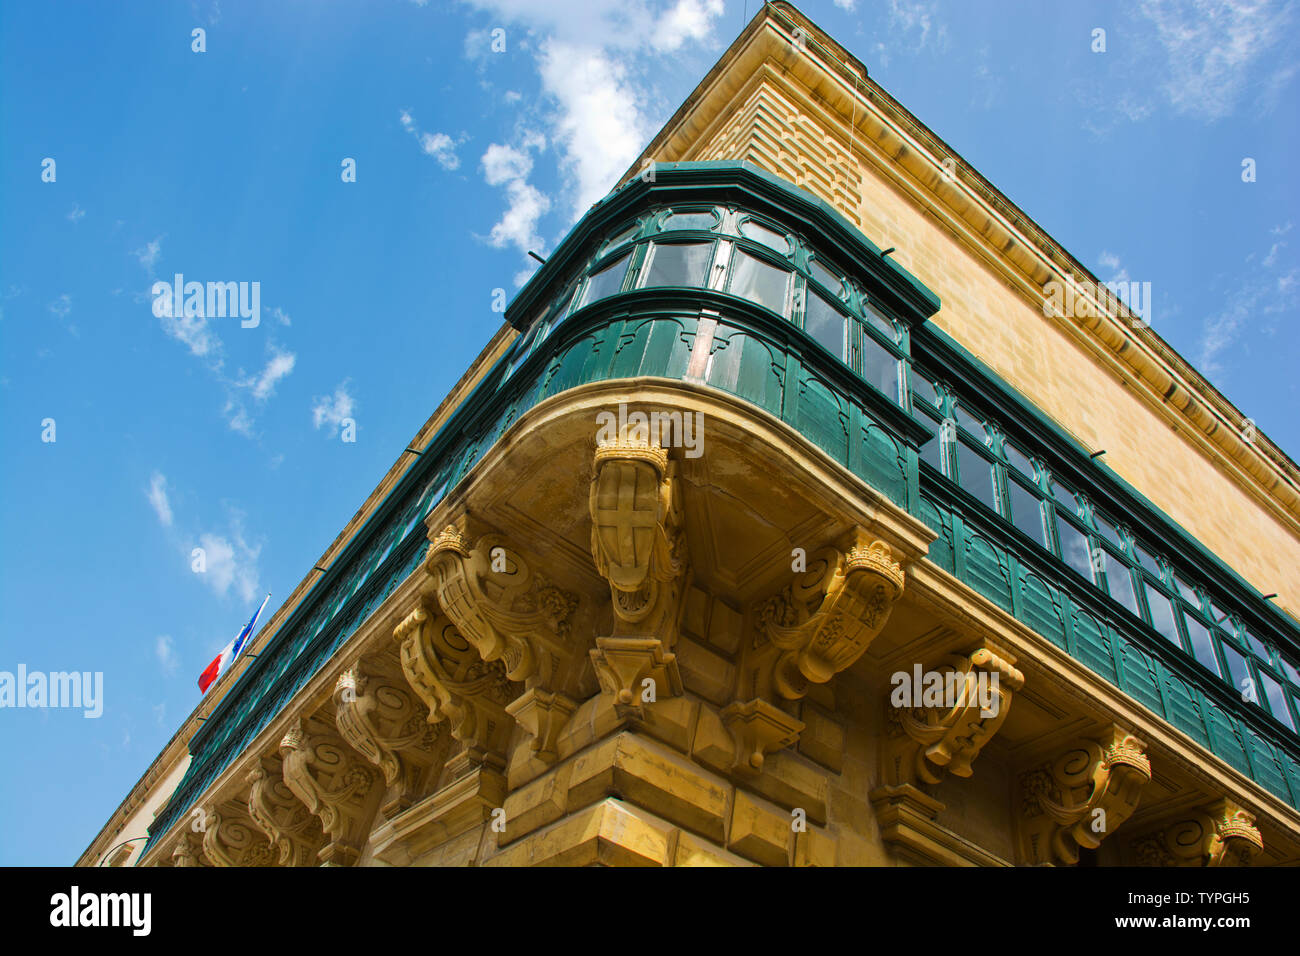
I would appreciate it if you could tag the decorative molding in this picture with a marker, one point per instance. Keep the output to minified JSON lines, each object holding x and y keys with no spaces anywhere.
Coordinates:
{"x":1081,"y":797}
{"x":907,"y":822}
{"x":623,"y":664}
{"x":1221,"y":834}
{"x":758,"y":728}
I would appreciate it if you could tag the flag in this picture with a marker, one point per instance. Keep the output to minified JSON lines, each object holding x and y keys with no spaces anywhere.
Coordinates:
{"x":230,"y":652}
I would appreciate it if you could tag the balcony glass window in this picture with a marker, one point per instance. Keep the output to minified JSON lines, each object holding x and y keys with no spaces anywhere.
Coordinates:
{"x":932,"y":451}
{"x":678,"y":263}
{"x":1162,"y":613}
{"x":879,"y":366}
{"x":969,"y":422}
{"x":1238,"y":669}
{"x":1258,"y":646}
{"x":768,"y":237}
{"x":1026,"y":509}
{"x":1147,"y":560}
{"x":1076,"y":551}
{"x":830,"y":280}
{"x":690,"y":220}
{"x":619,"y":238}
{"x":1188,"y":592}
{"x":1065,"y":498}
{"x":1108,"y":531}
{"x":826,"y":324}
{"x":1276,"y":699}
{"x":1018,"y":460}
{"x":880,"y":321}
{"x":606,"y":282}
{"x":922,"y":387}
{"x":1198,"y":635}
{"x":759,"y":282}
{"x":1288,"y":668}
{"x":1120,"y":581}
{"x":975,"y":473}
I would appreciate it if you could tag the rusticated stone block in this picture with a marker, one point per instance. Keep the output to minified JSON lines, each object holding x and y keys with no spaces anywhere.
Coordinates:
{"x":760,"y":831}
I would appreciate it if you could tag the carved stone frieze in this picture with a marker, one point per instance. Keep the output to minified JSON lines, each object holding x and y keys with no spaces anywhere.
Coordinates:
{"x":1221,"y":834}
{"x":1081,"y":797}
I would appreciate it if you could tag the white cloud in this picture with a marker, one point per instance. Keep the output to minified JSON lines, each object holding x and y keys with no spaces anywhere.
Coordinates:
{"x":61,"y":306}
{"x":157,"y":495}
{"x":281,"y":316}
{"x":502,"y":163}
{"x":593,"y":57}
{"x":277,"y":367}
{"x":166,"y":654}
{"x":77,"y":213}
{"x":846,"y":5}
{"x":194,"y":333}
{"x":918,"y":17}
{"x":509,"y":167}
{"x":230,"y":563}
{"x":1255,"y":302}
{"x":1211,"y":48}
{"x":331,"y":410}
{"x":438,"y":145}
{"x":259,"y":387}
{"x":148,"y":254}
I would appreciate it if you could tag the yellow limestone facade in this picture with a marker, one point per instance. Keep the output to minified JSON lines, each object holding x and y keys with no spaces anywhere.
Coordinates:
{"x":607,"y":657}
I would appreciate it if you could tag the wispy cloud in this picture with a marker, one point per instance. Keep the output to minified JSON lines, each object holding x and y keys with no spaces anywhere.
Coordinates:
{"x":509,"y":168}
{"x":440,"y":146}
{"x":257,"y":388}
{"x":157,"y":495}
{"x":1264,"y":292}
{"x":147,"y":255}
{"x":77,"y":214}
{"x":165,"y":651}
{"x":330,"y":410}
{"x":231,"y":563}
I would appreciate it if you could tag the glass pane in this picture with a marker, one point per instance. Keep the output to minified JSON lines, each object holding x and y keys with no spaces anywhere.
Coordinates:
{"x":769,"y":238}
{"x":879,"y":366}
{"x":1065,"y":498}
{"x":1188,"y":592}
{"x":976,"y":474}
{"x":622,"y":237}
{"x":1198,"y":635}
{"x":1162,"y":614}
{"x":606,"y":282}
{"x":1258,"y":647}
{"x":690,"y":220}
{"x":1148,"y":561}
{"x":1018,"y":460}
{"x":922,"y":387}
{"x":1290,"y":670}
{"x":1238,"y":669}
{"x":1075,"y":549}
{"x":825,"y":324}
{"x":1218,"y":612}
{"x":1120,"y":580}
{"x":877,"y":318}
{"x":1108,"y":531}
{"x":969,"y":422}
{"x":831,"y":280}
{"x":1276,"y":699}
{"x":758,"y":281}
{"x":1026,"y":512}
{"x":679,"y":263}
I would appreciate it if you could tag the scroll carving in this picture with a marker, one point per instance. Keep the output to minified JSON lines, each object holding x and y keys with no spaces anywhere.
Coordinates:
{"x":293,"y":831}
{"x":1081,"y":797}
{"x":231,"y":839}
{"x":1222,"y":834}
{"x":321,"y":772}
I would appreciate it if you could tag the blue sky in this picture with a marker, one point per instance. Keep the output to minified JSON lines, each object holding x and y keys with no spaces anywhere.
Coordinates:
{"x":375,"y":295}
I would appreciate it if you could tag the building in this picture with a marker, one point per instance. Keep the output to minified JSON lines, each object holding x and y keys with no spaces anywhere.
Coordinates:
{"x":774,"y":528}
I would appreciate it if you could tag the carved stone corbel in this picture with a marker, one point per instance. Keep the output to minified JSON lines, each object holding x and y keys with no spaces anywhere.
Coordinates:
{"x":1221,"y":834}
{"x":511,"y":615}
{"x":758,"y":728}
{"x":624,"y":664}
{"x":334,"y":785}
{"x":637,"y":539}
{"x":293,"y":831}
{"x":458,"y":686}
{"x":189,"y":851}
{"x":823,"y":621}
{"x":231,"y":839}
{"x":1081,"y":797}
{"x":927,"y":738}
{"x":382,"y":720}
